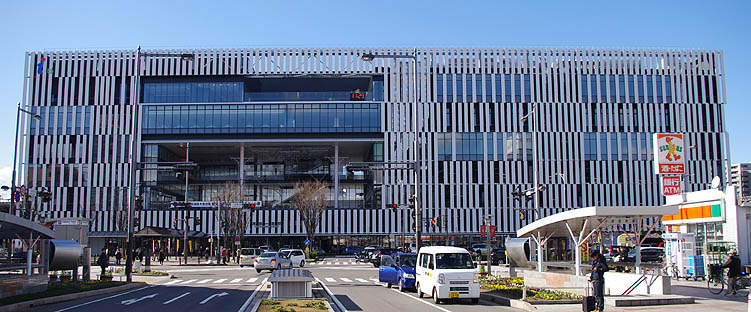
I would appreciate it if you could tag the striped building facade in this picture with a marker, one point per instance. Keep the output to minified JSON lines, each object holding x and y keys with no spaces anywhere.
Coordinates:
{"x":596,"y":111}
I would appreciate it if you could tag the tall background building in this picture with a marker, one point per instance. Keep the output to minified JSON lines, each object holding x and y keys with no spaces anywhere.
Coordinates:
{"x":259,"y":120}
{"x":740,"y":174}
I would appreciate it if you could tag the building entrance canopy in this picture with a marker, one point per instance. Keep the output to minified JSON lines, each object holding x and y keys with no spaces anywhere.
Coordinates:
{"x":580,"y":224}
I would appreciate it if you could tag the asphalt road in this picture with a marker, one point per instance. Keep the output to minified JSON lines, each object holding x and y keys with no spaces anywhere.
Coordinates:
{"x":229,"y":288}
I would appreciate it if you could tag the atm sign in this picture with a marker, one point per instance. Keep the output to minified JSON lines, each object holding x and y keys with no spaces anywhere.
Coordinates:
{"x":671,"y":185}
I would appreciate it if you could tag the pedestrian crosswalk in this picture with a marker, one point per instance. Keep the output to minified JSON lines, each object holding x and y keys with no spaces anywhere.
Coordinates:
{"x":337,"y":262}
{"x":252,"y":280}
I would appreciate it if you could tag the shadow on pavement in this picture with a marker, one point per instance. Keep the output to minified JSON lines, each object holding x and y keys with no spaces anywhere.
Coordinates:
{"x":348,"y":303}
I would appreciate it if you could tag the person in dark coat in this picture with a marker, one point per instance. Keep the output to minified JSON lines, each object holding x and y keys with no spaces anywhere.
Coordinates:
{"x":734,"y":265}
{"x":118,"y":256}
{"x":161,"y":257}
{"x":599,"y":267}
{"x":103,"y":261}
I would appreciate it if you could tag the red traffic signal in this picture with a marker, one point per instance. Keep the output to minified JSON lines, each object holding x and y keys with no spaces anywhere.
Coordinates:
{"x":174,"y":222}
{"x":252,"y":206}
{"x":392,"y":206}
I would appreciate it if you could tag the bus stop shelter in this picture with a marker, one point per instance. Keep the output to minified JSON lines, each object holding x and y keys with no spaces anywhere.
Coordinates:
{"x":580,"y":224}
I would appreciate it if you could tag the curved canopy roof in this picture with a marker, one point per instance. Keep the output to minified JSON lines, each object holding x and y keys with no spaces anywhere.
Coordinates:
{"x":589,"y":218}
{"x":11,"y":225}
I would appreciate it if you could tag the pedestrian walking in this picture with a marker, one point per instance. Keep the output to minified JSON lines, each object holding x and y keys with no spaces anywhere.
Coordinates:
{"x":103,"y":261}
{"x":734,"y":271}
{"x":161,"y":257}
{"x":118,"y":256}
{"x":599,"y":267}
{"x":224,"y":255}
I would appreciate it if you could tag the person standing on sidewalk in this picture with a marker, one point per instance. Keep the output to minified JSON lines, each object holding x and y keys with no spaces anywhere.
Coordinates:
{"x":734,"y":271}
{"x":118,"y":256}
{"x":599,"y":267}
{"x":103,"y":261}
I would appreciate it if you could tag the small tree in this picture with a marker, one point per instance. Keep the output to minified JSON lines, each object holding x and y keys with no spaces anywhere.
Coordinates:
{"x":232,"y":217}
{"x":310,"y":199}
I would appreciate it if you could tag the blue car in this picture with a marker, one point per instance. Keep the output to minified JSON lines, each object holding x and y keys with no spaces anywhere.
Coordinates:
{"x":398,"y":269}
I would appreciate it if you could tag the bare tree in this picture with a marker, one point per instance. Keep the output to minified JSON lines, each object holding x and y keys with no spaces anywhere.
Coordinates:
{"x":232,"y":217}
{"x":310,"y":199}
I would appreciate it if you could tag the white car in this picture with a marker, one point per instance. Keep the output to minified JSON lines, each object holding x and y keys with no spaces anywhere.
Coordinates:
{"x":446,"y":273}
{"x":296,"y":255}
{"x":248,"y":256}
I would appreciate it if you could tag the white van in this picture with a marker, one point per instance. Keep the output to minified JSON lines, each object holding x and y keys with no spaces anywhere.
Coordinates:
{"x":446,"y":273}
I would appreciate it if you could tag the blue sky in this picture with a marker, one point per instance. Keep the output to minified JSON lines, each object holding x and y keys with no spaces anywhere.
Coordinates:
{"x":51,"y":25}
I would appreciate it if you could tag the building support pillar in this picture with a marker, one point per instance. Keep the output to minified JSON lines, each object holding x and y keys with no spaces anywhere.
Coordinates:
{"x":336,"y":175}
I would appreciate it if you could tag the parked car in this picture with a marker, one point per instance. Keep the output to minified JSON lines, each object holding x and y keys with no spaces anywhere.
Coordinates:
{"x":446,"y":273}
{"x":498,"y":256}
{"x":248,"y":256}
{"x":366,"y":253}
{"x":272,"y":261}
{"x":352,"y":250}
{"x":267,"y":248}
{"x":375,"y":259}
{"x":413,"y":247}
{"x":398,"y":269}
{"x":648,"y":254}
{"x":297,"y":256}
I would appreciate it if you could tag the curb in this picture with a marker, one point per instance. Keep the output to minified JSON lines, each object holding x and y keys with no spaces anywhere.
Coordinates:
{"x":339,"y":306}
{"x":43,"y":301}
{"x":514,"y":303}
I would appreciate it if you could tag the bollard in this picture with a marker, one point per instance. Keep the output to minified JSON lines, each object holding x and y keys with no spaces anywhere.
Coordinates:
{"x":87,"y":264}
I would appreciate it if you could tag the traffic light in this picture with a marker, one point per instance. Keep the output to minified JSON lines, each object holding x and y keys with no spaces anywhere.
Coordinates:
{"x":196,"y":222}
{"x":411,"y":201}
{"x":392,"y":206}
{"x":174,"y":222}
{"x":434,"y":221}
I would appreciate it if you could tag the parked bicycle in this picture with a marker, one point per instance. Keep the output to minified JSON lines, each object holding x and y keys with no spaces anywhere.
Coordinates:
{"x":717,"y":280}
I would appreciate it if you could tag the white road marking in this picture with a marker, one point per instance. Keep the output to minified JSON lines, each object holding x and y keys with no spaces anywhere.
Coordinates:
{"x":345,"y":279}
{"x":237,"y":280}
{"x":361,"y":280}
{"x":252,"y":295}
{"x":328,"y":263}
{"x":178,"y":297}
{"x":330,"y":280}
{"x":423,"y":301}
{"x":214,"y":295}
{"x":134,"y":300}
{"x":375,"y":280}
{"x":102,"y":299}
{"x":336,"y":263}
{"x":173,"y":282}
{"x":252,"y":280}
{"x":188,"y":281}
{"x":204,"y":281}
{"x":220,"y":281}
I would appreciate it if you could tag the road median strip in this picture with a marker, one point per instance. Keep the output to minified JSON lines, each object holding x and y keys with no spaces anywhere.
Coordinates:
{"x":74,"y":296}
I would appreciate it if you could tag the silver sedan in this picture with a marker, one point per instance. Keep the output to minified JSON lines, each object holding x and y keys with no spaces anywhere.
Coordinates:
{"x":272,"y":261}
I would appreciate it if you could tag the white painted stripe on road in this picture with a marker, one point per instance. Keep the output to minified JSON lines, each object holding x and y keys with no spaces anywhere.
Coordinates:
{"x":252,"y":295}
{"x":237,"y":280}
{"x":252,"y":280}
{"x":420,"y":300}
{"x":102,"y":299}
{"x":213,"y":296}
{"x":336,"y":263}
{"x":178,"y":297}
{"x":330,"y":280}
{"x":220,"y":281}
{"x":345,"y":279}
{"x":361,"y":280}
{"x":173,"y":282}
{"x":188,"y":281}
{"x":328,"y":263}
{"x":374,"y":280}
{"x":204,"y":281}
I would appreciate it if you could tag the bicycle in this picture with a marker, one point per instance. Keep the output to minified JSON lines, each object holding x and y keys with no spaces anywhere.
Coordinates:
{"x":716,"y":282}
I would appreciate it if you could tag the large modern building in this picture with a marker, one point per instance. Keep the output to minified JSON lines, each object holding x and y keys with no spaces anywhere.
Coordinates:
{"x":264,"y":119}
{"x":740,"y":175}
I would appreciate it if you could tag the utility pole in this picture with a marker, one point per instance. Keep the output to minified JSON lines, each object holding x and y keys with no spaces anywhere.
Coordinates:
{"x":185,"y":216}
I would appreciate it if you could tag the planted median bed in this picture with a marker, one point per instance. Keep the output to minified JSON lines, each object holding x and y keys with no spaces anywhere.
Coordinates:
{"x":512,"y":288}
{"x":293,"y":305}
{"x":61,"y":288}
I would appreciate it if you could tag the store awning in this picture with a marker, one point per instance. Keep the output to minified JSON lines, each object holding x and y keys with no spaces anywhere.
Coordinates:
{"x":150,"y":231}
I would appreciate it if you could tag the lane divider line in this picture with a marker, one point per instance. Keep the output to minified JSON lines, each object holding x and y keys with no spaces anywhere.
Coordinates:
{"x":423,"y":301}
{"x":105,"y":298}
{"x":252,"y":295}
{"x":174,"y":299}
{"x":336,"y":301}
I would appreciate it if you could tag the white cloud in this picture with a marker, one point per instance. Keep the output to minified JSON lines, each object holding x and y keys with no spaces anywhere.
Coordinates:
{"x":5,"y":177}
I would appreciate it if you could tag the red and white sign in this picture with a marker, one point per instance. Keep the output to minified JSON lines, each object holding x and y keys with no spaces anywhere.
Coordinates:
{"x":492,"y":230}
{"x":671,"y":185}
{"x":668,"y":153}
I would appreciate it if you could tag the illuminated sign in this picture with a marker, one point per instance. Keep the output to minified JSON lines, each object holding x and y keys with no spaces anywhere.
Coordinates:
{"x":357,"y":96}
{"x":668,"y":153}
{"x":671,"y":185}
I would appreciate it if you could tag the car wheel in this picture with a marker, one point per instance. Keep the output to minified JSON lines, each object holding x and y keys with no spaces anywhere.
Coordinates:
{"x":241,"y":266}
{"x":435,"y":296}
{"x":475,"y":300}
{"x":417,"y":288}
{"x":290,"y":265}
{"x":401,"y":285}
{"x":302,"y":263}
{"x":258,"y":270}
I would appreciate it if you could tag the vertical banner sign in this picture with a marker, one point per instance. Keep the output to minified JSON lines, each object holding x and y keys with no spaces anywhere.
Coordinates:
{"x":668,"y":153}
{"x":482,"y":230}
{"x":671,"y":185}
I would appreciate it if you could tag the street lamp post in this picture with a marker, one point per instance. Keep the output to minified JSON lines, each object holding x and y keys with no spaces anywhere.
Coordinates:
{"x":533,"y":115}
{"x":418,"y":164}
{"x":15,"y":155}
{"x":134,"y":135}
